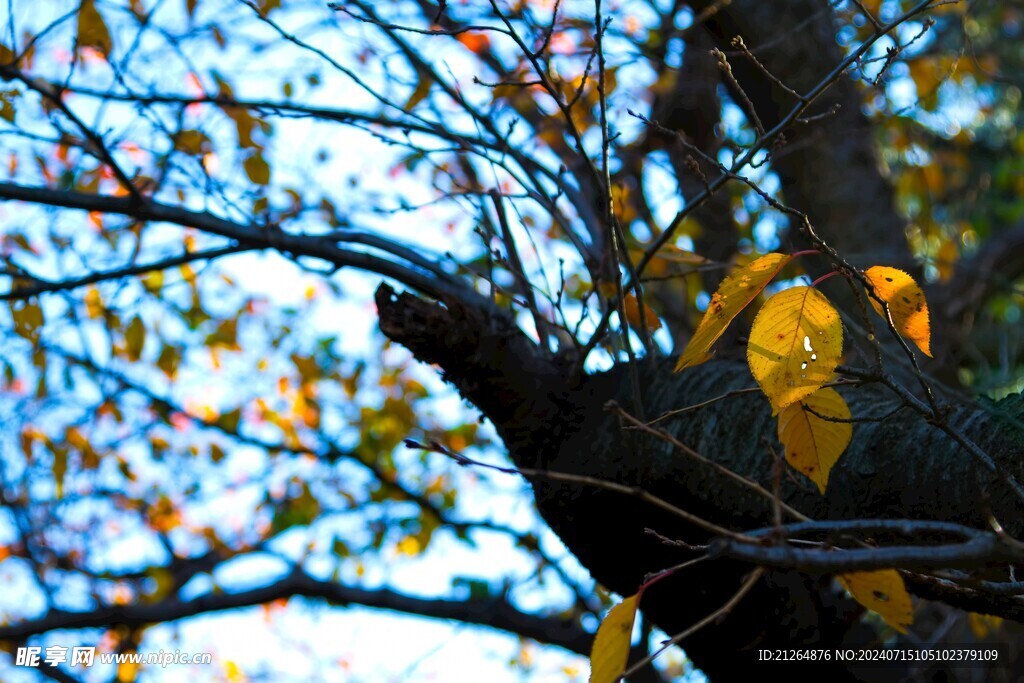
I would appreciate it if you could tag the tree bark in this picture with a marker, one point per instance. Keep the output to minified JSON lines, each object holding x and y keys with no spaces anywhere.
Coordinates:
{"x":901,"y":467}
{"x":829,"y":168}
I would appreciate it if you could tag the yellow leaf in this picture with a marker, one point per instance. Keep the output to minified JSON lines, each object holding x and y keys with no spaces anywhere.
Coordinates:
{"x":794,"y":346}
{"x":736,"y":291}
{"x":884,"y":593}
{"x":610,"y":650}
{"x":93,"y":303}
{"x":420,"y":93}
{"x":409,"y":545}
{"x":906,"y":302}
{"x":633,"y":314}
{"x":127,"y":672}
{"x":946,"y":259}
{"x":92,"y":30}
{"x":814,"y":444}
{"x":983,"y":624}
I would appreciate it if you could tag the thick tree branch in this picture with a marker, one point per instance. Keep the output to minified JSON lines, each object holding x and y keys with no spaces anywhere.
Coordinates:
{"x":434,"y":283}
{"x":494,"y":612}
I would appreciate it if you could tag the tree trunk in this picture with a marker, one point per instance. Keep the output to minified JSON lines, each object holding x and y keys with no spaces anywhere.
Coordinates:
{"x":900,"y":467}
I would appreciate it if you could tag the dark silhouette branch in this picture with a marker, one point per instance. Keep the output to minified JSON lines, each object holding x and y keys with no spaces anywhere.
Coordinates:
{"x":493,"y":611}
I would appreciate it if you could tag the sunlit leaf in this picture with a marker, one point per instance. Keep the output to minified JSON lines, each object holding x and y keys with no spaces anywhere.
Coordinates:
{"x":906,"y":303}
{"x":734,"y":294}
{"x":795,"y":345}
{"x":610,"y":651}
{"x":884,"y":593}
{"x":813,"y":444}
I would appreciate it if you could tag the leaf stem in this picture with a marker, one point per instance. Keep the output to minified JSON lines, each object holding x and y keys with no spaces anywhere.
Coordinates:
{"x":824,"y":277}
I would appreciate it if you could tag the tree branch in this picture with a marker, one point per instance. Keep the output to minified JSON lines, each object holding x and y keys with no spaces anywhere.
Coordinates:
{"x":493,"y":611}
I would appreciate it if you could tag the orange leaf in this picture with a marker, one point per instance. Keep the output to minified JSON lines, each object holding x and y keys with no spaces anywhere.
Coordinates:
{"x":475,"y":42}
{"x":633,"y":314}
{"x":906,"y":303}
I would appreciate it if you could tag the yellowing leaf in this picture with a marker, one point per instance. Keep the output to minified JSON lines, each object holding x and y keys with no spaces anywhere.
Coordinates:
{"x":736,"y":291}
{"x":93,"y":303}
{"x":257,"y":168}
{"x":7,"y":100}
{"x":814,"y":444}
{"x":794,"y":346}
{"x":633,"y":314}
{"x":192,"y":142}
{"x":409,"y":545}
{"x":92,"y":30}
{"x":983,"y":624}
{"x":906,"y":302}
{"x":882,"y":592}
{"x":135,"y":338}
{"x":127,"y":672}
{"x":419,"y":93}
{"x":610,"y":651}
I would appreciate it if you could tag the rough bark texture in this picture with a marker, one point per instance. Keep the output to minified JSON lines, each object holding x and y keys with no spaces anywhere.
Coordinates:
{"x":900,"y":467}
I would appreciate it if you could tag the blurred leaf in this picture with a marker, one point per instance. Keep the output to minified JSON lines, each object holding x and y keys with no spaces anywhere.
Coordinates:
{"x":884,"y":593}
{"x":257,"y":168}
{"x":192,"y":142}
{"x":92,"y":30}
{"x":7,"y":100}
{"x":135,"y":338}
